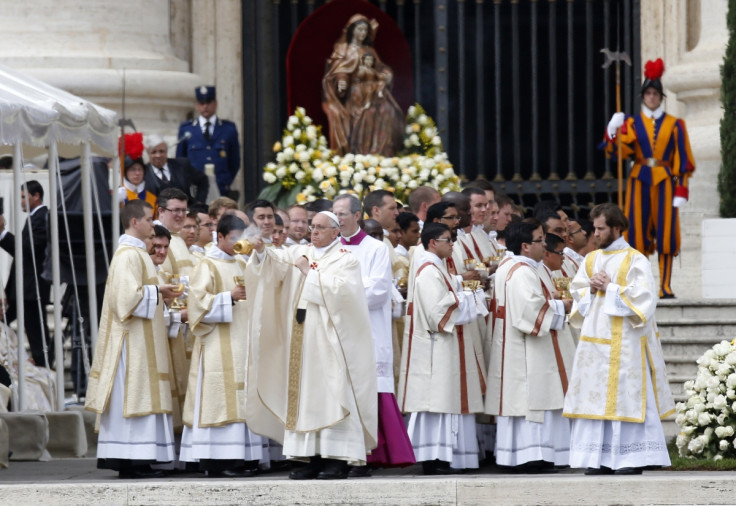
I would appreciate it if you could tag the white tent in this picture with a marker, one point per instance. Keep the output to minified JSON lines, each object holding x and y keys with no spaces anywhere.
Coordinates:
{"x":35,"y":114}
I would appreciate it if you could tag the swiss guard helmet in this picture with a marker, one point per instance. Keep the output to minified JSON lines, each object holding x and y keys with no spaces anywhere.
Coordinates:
{"x":653,"y":71}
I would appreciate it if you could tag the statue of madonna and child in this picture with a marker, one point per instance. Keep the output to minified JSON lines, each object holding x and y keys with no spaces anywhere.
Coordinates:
{"x":362,"y":113}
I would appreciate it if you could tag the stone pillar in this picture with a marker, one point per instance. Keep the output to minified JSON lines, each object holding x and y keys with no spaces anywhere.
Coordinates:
{"x":217,"y":57}
{"x":83,"y":47}
{"x":691,"y":37}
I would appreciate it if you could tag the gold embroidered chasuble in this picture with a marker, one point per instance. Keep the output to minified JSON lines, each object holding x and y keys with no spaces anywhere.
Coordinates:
{"x":147,"y":378}
{"x":301,"y":376}
{"x":222,"y":347}
{"x":618,"y":339}
{"x":179,"y":262}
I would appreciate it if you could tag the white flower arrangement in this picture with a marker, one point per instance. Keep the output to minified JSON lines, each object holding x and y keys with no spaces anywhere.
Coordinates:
{"x":708,"y":417}
{"x":306,"y":170}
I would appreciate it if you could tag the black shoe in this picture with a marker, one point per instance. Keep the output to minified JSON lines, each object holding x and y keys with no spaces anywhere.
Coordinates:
{"x":448,"y":470}
{"x":536,"y":467}
{"x":359,"y":472}
{"x":435,"y":467}
{"x":280,"y":465}
{"x":334,"y":470}
{"x":595,"y":471}
{"x":232,"y":473}
{"x":628,"y":470}
{"x":308,"y":472}
{"x":140,"y":472}
{"x":668,"y":296}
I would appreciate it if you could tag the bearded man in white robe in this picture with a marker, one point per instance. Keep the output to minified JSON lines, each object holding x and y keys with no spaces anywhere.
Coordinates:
{"x":311,"y":366}
{"x":618,"y":390}
{"x":129,"y":382}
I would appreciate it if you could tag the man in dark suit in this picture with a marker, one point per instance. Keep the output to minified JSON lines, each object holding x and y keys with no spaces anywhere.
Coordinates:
{"x":163,"y":172}
{"x":211,"y":140}
{"x":35,"y":288}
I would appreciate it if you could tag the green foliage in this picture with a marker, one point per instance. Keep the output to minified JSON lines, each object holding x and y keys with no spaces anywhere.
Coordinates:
{"x":691,"y":463}
{"x":727,"y":174}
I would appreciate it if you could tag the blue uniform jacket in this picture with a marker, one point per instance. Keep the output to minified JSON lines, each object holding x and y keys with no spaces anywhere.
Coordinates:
{"x":222,"y":150}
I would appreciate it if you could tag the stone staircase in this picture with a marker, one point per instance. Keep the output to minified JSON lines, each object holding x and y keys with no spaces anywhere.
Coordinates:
{"x":686,"y":329}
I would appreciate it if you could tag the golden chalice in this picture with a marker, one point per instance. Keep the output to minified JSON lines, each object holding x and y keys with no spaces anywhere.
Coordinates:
{"x":178,"y":303}
{"x":239,"y":281}
{"x":470,"y":264}
{"x":403,"y":282}
{"x":563,"y":285}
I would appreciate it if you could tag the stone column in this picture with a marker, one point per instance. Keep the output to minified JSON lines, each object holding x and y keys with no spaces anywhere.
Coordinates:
{"x":217,"y":57}
{"x":691,"y":37}
{"x":83,"y":47}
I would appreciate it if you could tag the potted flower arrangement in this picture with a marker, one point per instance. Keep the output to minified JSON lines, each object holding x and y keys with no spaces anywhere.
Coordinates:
{"x":305,"y":169}
{"x":706,"y":419}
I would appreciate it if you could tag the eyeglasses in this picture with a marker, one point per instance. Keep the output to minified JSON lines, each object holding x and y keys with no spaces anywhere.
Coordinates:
{"x":456,"y":218}
{"x":320,"y":228}
{"x":179,"y":212}
{"x":561,"y":253}
{"x":535,"y":240}
{"x":577,"y":231}
{"x":190,"y":227}
{"x":445,"y":239}
{"x":208,"y":225}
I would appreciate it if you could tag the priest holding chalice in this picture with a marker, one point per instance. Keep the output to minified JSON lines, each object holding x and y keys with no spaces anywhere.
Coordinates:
{"x":215,"y":432}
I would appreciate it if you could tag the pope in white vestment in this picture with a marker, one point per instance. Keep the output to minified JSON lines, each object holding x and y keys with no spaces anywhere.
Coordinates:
{"x":311,"y":370}
{"x":394,"y":447}
{"x":618,"y":390}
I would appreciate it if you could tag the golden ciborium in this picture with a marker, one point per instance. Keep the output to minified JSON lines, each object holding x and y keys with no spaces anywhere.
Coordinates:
{"x":470,"y":264}
{"x":563,"y":285}
{"x":243,"y":247}
{"x":471,"y":285}
{"x":403,"y":282}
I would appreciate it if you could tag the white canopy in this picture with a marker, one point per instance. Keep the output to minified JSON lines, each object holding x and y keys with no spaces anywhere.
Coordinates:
{"x":37,"y":114}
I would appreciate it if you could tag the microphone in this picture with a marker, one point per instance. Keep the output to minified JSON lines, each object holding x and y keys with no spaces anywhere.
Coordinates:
{"x":187,"y":135}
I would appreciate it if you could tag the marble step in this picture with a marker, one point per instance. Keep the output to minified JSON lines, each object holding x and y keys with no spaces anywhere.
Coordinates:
{"x":688,"y":346}
{"x":668,"y":310}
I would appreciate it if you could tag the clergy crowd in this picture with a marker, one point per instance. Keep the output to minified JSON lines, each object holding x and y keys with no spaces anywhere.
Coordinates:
{"x":453,"y":330}
{"x":350,"y":335}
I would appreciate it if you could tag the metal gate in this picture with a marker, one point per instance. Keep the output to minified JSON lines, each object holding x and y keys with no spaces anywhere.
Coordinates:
{"x":516,"y":87}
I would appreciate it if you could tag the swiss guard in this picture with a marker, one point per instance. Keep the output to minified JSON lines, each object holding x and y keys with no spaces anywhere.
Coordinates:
{"x":209,"y":139}
{"x":658,"y":182}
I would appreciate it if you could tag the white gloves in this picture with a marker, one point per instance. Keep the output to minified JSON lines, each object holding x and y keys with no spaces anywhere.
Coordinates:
{"x":681,"y":196}
{"x":617,"y":121}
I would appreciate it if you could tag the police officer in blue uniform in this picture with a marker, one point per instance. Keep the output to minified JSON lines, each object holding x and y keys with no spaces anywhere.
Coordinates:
{"x":209,"y":139}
